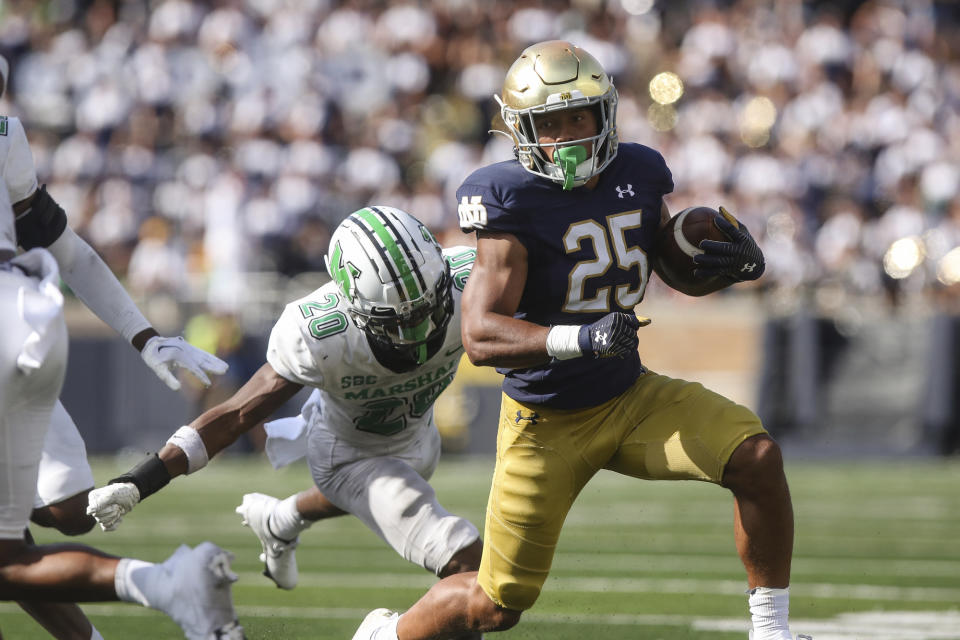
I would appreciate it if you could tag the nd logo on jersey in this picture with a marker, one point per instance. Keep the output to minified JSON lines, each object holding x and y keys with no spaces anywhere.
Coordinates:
{"x":472,"y":213}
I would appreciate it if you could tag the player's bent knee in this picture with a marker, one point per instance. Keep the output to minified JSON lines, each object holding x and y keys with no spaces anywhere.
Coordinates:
{"x":487,"y":616}
{"x":756,"y":460}
{"x":69,"y":523}
{"x":77,"y":526}
{"x":467,"y":559}
{"x":11,"y":552}
{"x":504,"y":619}
{"x":769,"y":457}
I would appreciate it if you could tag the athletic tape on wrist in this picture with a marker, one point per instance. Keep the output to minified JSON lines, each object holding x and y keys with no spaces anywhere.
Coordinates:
{"x":149,"y":476}
{"x":190,"y":442}
{"x":562,"y":342}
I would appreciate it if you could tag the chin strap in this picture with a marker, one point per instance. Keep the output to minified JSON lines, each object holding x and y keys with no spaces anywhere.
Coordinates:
{"x":567,"y":158}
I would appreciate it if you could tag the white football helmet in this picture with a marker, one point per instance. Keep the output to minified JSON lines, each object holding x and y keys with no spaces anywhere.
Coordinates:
{"x":391,"y":272}
{"x":550,"y":76}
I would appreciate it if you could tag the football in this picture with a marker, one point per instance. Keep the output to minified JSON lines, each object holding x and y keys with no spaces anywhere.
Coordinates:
{"x":678,"y":241}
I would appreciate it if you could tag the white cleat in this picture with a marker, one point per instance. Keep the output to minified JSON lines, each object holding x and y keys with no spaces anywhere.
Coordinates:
{"x":200,"y":599}
{"x":786,"y":636}
{"x":279,"y":556}
{"x":373,"y":623}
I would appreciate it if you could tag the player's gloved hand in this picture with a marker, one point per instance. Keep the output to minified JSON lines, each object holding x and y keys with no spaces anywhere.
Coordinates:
{"x":163,"y":355}
{"x":740,"y":259}
{"x":109,"y":504}
{"x":613,"y":335}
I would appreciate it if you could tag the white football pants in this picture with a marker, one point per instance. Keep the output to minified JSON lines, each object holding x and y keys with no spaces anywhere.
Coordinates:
{"x":386,"y":487}
{"x":26,"y":402}
{"x":64,"y":468}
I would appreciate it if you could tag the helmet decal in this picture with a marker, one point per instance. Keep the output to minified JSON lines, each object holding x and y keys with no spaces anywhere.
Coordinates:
{"x":344,"y":275}
{"x":428,"y":236}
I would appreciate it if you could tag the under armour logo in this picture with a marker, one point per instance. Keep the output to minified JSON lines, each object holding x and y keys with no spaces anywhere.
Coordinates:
{"x":749,"y":267}
{"x":628,"y":190}
{"x":532,"y":418}
{"x":600,"y":338}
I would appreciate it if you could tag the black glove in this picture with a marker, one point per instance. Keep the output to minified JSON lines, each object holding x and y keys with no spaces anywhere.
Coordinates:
{"x":613,"y":335}
{"x":740,"y":259}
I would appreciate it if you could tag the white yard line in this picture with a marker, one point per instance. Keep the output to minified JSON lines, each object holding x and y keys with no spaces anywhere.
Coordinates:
{"x":634,"y":585}
{"x":876,"y":625}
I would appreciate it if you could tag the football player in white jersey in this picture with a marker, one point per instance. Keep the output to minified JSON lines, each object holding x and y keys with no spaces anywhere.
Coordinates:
{"x":192,"y":586}
{"x":378,"y":344}
{"x":65,"y":477}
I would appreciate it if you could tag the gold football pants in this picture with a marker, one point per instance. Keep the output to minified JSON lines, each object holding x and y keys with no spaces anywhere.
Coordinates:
{"x":659,"y":429}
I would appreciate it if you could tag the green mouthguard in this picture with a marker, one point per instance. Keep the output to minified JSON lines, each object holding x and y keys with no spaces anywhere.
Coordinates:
{"x":567,"y":158}
{"x":418,"y":332}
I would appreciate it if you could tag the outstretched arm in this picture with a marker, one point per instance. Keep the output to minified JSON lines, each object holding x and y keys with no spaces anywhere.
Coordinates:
{"x":42,"y":222}
{"x":95,"y":284}
{"x":219,"y":427}
{"x":189,"y":448}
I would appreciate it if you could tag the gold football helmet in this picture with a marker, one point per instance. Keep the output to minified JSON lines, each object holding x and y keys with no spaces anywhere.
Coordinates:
{"x":550,"y":76}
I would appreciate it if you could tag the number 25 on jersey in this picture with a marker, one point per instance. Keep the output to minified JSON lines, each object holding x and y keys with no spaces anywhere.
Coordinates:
{"x":610,"y":247}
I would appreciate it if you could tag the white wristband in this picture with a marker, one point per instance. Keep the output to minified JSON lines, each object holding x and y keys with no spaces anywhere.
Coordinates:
{"x":563,"y":342}
{"x":190,"y":442}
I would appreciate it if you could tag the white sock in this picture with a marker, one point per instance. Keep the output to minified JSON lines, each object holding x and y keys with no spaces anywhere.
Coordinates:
{"x":141,"y":582}
{"x":770,"y":612}
{"x":388,"y":631}
{"x":95,"y":635}
{"x":286,"y":522}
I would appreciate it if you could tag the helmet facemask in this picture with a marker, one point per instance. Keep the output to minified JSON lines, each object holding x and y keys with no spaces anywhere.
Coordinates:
{"x":406,"y":330}
{"x":533,"y":156}
{"x":554,"y":76}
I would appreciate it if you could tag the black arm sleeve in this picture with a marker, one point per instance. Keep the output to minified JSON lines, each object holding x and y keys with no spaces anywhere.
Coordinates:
{"x":42,"y":223}
{"x":149,"y":476}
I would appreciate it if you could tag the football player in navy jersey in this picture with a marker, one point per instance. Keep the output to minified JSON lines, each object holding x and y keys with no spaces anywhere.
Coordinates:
{"x":565,"y":246}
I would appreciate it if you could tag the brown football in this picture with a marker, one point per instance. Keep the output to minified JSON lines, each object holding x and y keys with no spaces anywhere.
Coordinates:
{"x":678,"y":241}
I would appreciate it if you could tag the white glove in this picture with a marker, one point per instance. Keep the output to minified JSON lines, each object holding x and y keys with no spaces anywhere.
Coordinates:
{"x":163,"y":355}
{"x":109,"y":504}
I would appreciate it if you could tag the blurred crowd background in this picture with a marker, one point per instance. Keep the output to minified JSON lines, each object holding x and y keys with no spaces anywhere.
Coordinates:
{"x":207,"y":149}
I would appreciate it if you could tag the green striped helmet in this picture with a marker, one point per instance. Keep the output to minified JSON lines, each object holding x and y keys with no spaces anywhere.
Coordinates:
{"x":390,"y":270}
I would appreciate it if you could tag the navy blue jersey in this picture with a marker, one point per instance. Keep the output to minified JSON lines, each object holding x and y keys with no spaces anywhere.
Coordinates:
{"x":587,"y":256}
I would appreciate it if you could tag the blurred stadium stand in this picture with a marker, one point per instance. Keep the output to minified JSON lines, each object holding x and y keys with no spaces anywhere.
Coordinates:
{"x":206,"y":149}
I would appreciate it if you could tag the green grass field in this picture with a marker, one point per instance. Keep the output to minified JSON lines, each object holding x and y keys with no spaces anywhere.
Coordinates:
{"x":877,"y":557}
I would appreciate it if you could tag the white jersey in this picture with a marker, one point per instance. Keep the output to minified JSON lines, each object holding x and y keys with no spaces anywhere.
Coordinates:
{"x":316,"y":344}
{"x":8,"y":231}
{"x":19,"y":173}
